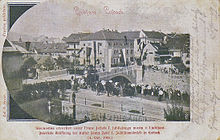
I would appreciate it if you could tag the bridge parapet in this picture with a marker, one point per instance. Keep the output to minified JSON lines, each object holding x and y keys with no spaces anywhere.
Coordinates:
{"x":128,"y":72}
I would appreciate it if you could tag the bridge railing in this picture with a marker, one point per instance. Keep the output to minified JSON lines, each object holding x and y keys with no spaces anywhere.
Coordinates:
{"x":129,"y":71}
{"x":101,"y":114}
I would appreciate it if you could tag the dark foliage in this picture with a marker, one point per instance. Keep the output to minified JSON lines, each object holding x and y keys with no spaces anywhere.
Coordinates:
{"x":134,"y":111}
{"x":176,"y":114}
{"x":41,"y":90}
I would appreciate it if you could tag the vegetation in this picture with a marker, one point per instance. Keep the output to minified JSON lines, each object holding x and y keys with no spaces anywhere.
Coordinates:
{"x":62,"y":62}
{"x":49,"y":64}
{"x":47,"y":90}
{"x":176,"y":114}
{"x":28,"y":66}
{"x":178,"y":41}
{"x":134,"y":111}
{"x":98,"y":105}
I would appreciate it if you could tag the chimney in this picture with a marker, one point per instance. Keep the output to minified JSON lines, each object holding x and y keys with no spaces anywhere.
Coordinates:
{"x":126,"y":40}
{"x":20,"y":40}
{"x":27,"y":45}
{"x":165,"y":39}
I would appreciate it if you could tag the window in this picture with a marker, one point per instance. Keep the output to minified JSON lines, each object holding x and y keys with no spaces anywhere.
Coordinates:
{"x":115,"y":61}
{"x":99,"y":44}
{"x":84,"y":44}
{"x":115,"y":51}
{"x":187,"y":55}
{"x":127,"y":52}
{"x":188,"y":62}
{"x":131,"y":51}
{"x":150,"y":52}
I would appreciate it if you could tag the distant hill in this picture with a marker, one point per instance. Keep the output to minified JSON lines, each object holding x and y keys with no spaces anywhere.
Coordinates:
{"x":13,"y":36}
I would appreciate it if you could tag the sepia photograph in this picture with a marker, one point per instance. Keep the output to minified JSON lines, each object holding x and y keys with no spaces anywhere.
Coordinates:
{"x":65,"y":72}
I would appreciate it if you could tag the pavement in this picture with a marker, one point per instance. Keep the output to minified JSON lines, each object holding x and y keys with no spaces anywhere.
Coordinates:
{"x":152,"y":109}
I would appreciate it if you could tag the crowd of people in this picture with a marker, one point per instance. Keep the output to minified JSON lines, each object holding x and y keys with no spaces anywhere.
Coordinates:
{"x":111,"y":88}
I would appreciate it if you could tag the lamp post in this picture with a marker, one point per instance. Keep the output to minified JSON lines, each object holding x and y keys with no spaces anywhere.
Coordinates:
{"x":73,"y":95}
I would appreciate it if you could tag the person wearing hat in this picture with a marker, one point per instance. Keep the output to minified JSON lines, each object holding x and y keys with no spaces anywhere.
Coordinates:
{"x":160,"y":94}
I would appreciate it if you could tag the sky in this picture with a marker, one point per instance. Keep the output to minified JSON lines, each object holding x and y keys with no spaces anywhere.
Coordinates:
{"x":58,"y":18}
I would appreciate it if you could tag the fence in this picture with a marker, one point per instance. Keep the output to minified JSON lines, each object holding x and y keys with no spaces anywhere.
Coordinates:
{"x":103,"y":114}
{"x":109,"y":112}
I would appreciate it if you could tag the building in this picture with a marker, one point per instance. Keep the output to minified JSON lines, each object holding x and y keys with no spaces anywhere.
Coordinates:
{"x":12,"y":60}
{"x":106,"y":48}
{"x":74,"y":49}
{"x":44,"y":49}
{"x":13,"y":56}
{"x":53,"y":49}
{"x":149,"y":49}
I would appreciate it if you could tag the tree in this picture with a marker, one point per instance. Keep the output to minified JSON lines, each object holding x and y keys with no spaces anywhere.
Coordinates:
{"x":62,"y":62}
{"x":29,"y":63}
{"x":176,"y":114}
{"x":49,"y":64}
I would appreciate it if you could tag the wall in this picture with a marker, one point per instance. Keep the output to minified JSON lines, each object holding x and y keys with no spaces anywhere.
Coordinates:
{"x":44,"y":74}
{"x":166,"y":80}
{"x":12,"y":62}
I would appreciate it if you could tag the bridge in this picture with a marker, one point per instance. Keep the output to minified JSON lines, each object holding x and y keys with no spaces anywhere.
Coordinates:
{"x":129,"y":73}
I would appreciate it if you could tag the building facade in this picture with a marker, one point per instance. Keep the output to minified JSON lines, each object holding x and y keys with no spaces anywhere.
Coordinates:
{"x":106,"y":49}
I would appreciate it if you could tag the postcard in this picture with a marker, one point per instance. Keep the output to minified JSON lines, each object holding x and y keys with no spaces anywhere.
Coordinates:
{"x":110,"y":70}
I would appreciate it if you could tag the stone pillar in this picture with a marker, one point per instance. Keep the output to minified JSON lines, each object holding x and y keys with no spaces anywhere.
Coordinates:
{"x":108,"y":59}
{"x":138,"y":70}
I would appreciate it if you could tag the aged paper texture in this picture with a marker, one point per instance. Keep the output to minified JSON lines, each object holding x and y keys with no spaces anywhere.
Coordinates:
{"x":95,"y":70}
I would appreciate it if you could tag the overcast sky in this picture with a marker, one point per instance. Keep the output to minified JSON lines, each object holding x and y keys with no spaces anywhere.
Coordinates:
{"x":58,"y":19}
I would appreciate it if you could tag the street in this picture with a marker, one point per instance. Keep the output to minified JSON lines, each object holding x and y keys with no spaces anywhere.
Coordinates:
{"x":152,"y":109}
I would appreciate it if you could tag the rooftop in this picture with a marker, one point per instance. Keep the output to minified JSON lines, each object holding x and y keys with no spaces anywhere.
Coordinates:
{"x":131,"y":35}
{"x":76,"y":37}
{"x":10,"y":47}
{"x":154,"y":34}
{"x":41,"y":47}
{"x":104,"y":35}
